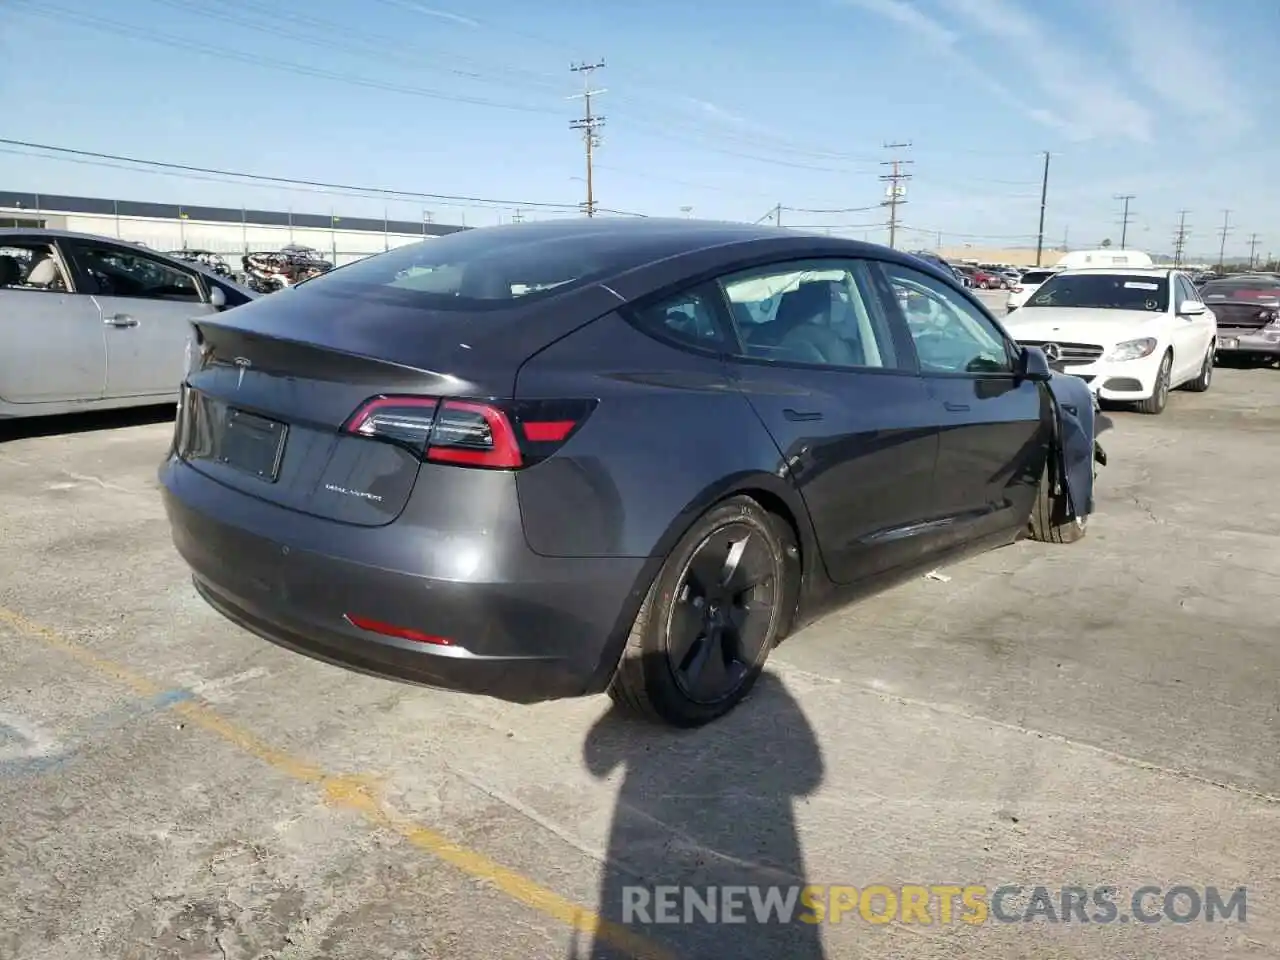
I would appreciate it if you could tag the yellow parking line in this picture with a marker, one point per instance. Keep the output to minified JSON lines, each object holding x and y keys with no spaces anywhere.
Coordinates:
{"x":359,"y":794}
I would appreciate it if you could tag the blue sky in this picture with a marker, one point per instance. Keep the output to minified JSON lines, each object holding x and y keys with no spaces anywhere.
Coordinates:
{"x":725,"y":108}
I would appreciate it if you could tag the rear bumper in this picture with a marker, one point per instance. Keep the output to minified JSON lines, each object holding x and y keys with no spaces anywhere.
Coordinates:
{"x":1237,"y":342}
{"x":530,"y":629}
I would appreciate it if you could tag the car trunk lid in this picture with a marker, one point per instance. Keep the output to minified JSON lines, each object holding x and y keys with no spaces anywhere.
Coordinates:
{"x":1244,"y":314}
{"x":264,"y":414}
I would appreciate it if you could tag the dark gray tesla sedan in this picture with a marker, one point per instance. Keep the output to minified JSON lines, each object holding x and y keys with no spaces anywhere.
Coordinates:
{"x":550,"y":459}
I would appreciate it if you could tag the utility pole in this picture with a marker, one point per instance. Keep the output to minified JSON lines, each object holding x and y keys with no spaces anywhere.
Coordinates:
{"x":1253,"y":250}
{"x":896,"y":191}
{"x":588,"y":124}
{"x":518,"y":216}
{"x":1226,"y":229}
{"x":1180,"y":238}
{"x":777,"y":215}
{"x":1125,"y":219}
{"x":1044,"y":195}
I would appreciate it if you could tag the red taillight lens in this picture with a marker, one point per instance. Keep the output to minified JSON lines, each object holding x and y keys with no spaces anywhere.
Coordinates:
{"x":391,"y":630}
{"x":472,"y":433}
{"x":475,"y":435}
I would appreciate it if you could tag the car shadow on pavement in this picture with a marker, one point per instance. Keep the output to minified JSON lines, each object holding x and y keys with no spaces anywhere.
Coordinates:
{"x":50,"y":426}
{"x":700,"y":811}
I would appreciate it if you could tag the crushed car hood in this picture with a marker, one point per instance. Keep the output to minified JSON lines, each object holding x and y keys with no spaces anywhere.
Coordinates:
{"x":1077,"y":446}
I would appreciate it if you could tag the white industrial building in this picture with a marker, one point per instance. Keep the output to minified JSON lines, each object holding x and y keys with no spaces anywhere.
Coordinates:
{"x":222,"y":230}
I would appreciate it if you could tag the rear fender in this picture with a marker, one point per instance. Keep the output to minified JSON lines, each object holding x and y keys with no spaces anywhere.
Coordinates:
{"x":763,"y":487}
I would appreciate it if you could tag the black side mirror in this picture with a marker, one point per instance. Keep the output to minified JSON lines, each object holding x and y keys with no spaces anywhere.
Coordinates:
{"x":1033,"y":365}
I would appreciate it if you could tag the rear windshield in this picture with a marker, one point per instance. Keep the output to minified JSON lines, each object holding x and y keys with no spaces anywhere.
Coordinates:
{"x":475,"y":269}
{"x":1104,"y":291}
{"x":1240,"y":290}
{"x":1037,"y":276}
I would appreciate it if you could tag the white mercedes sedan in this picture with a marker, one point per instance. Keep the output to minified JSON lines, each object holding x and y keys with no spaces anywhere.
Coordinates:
{"x":1133,"y":334}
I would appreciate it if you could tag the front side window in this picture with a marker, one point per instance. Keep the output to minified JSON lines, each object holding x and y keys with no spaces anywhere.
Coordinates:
{"x":1105,"y":291}
{"x":30,"y":265}
{"x":117,"y":272}
{"x":950,"y":334}
{"x":818,"y":313}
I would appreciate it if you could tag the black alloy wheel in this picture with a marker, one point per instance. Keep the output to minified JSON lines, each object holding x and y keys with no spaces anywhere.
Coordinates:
{"x":724,"y":596}
{"x":719,"y":622}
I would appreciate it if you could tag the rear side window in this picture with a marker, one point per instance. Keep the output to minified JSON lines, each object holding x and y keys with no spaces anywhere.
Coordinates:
{"x":1036,"y":276}
{"x":817,"y":313}
{"x":478,"y":269}
{"x":688,"y":319}
{"x":30,"y":266}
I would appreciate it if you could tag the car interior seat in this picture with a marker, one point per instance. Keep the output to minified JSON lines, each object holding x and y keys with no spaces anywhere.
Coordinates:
{"x":44,"y":273}
{"x":801,"y":330}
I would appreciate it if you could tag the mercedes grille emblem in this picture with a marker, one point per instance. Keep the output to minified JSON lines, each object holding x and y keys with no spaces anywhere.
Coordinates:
{"x":1052,"y":352}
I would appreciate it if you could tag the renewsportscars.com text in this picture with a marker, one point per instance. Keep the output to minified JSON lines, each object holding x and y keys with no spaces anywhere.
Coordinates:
{"x":931,"y":904}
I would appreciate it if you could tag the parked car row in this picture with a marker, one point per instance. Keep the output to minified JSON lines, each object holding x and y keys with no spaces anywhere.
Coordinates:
{"x":264,"y":271}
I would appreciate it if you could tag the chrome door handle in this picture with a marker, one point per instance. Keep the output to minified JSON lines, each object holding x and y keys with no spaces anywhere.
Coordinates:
{"x":955,"y":407}
{"x":121,"y":320}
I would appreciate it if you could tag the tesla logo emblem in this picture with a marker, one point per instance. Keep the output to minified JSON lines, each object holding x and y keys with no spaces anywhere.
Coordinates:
{"x":242,"y":365}
{"x":1052,"y":352}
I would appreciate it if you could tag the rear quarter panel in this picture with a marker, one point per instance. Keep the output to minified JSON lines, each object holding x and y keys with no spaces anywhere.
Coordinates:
{"x":670,"y":436}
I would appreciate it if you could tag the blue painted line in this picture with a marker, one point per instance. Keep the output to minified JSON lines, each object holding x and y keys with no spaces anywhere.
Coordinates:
{"x":93,"y":728}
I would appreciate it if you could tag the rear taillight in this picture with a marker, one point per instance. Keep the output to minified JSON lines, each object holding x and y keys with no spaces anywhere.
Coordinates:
{"x":472,"y":433}
{"x":1017,"y":289}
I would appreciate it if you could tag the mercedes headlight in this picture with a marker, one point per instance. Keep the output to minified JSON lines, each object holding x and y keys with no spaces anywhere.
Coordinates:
{"x":1133,"y":349}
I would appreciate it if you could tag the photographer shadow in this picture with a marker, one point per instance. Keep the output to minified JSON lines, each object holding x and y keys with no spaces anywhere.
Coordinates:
{"x":701,"y":810}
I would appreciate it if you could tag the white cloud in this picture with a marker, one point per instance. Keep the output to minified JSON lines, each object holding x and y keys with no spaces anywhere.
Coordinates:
{"x":1172,"y":56}
{"x":709,"y":109}
{"x":1073,"y":93}
{"x":433,"y":12}
{"x":1076,"y":86}
{"x":946,"y":41}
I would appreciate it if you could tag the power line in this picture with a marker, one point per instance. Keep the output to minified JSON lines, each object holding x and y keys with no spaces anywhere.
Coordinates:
{"x":263,"y":178}
{"x":377,"y":45}
{"x":1180,"y":238}
{"x":221,"y":52}
{"x":897,"y":192}
{"x":1125,"y":219}
{"x":1226,"y":229}
{"x":1044,"y":194}
{"x":588,"y":124}
{"x":832,"y":210}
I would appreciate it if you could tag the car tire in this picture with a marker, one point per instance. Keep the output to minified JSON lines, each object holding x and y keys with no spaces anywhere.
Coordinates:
{"x":982,"y":285}
{"x":1049,"y":522}
{"x":1202,"y":382}
{"x":1159,"y":398}
{"x":654,"y":678}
